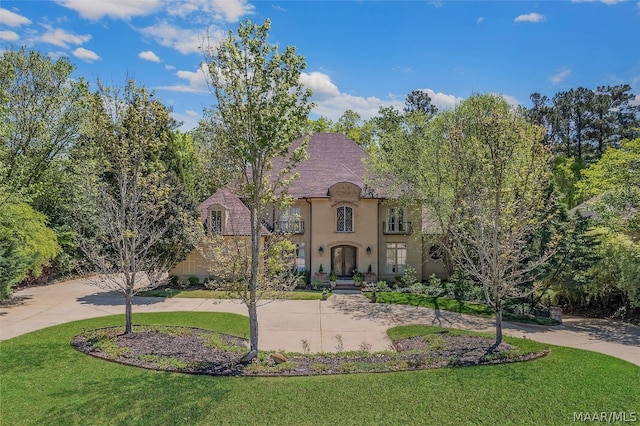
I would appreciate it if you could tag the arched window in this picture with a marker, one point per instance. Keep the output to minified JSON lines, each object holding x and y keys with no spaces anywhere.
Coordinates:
{"x":344,"y":219}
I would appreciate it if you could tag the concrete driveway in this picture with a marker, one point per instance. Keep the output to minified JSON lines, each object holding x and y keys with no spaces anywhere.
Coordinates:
{"x":343,"y":321}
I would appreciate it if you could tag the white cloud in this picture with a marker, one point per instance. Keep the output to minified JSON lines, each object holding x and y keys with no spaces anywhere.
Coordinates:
{"x":169,"y":67}
{"x":85,"y":54}
{"x":480,"y":20}
{"x":442,"y":100}
{"x":320,"y":84}
{"x":534,"y":18}
{"x":189,"y":119}
{"x":148,"y":55}
{"x":9,"y":36}
{"x":560,"y":75}
{"x":61,"y":38}
{"x":332,"y":103}
{"x":197,"y":81}
{"x":220,"y":10}
{"x":12,"y":19}
{"x":183,"y":40}
{"x":118,"y":9}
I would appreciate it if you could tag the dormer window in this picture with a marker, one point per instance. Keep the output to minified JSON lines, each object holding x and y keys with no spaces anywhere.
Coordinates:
{"x":344,"y":219}
{"x":215,"y":221}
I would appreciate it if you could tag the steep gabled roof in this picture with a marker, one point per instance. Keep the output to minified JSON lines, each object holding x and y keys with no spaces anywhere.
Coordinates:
{"x":333,"y":158}
{"x":238,"y":216}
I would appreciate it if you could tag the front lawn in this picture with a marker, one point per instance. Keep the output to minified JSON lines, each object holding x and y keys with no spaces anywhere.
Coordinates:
{"x":46,"y":381}
{"x":460,"y":306}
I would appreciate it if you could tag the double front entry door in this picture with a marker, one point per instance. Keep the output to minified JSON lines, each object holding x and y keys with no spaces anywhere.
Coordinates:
{"x":343,"y":261}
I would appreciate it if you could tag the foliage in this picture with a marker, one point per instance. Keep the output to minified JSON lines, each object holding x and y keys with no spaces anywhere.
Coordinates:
{"x":133,"y":221}
{"x":582,"y":123}
{"x":261,"y":108}
{"x":481,"y":171}
{"x":615,"y":179}
{"x":26,"y":244}
{"x":41,"y":120}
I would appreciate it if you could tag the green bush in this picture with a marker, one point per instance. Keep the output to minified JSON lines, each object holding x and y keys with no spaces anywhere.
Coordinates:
{"x":194,"y":281}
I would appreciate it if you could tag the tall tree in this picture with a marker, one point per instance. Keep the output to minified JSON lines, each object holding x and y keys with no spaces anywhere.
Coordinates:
{"x":261,"y":108}
{"x":481,"y":171}
{"x":419,"y":100}
{"x":133,"y":220}
{"x":582,"y":123}
{"x":45,"y":113}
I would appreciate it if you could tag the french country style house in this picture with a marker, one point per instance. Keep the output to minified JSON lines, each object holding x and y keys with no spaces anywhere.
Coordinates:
{"x":337,"y":221}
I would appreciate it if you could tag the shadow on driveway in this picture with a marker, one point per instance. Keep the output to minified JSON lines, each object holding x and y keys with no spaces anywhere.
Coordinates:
{"x":116,"y":298}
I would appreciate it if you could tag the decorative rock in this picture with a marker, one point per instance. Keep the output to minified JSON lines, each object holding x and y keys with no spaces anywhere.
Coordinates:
{"x":278,"y":358}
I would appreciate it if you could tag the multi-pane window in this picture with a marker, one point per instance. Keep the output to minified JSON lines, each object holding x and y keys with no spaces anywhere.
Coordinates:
{"x":396,"y":258}
{"x":396,"y":220}
{"x":300,"y":265}
{"x":290,"y":221}
{"x":344,"y":219}
{"x":215,"y":221}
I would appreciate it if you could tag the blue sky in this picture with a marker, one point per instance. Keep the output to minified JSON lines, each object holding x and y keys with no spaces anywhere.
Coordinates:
{"x":360,"y":54}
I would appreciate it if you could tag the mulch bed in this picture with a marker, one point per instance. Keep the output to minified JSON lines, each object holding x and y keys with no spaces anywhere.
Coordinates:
{"x":190,"y":350}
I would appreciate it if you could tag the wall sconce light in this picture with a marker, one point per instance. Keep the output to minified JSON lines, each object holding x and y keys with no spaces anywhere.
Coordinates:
{"x":321,"y":250}
{"x":369,"y":251}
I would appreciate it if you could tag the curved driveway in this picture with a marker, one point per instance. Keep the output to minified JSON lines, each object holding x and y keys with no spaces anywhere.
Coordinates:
{"x":344,"y":321}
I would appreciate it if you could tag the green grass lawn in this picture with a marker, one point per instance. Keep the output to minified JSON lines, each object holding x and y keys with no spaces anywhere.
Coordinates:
{"x":218,"y":294}
{"x":46,"y":381}
{"x":463,"y":307}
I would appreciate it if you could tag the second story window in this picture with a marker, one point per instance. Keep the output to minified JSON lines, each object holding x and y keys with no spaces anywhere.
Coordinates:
{"x":215,"y":221}
{"x":291,"y":221}
{"x":397,"y":221}
{"x":344,"y":219}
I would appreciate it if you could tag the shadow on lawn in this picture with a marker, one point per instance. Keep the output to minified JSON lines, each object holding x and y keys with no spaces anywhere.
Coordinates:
{"x":605,"y":330}
{"x":360,"y":307}
{"x":116,"y":298}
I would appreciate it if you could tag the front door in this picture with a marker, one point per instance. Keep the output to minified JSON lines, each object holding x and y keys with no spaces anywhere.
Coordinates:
{"x":343,"y":260}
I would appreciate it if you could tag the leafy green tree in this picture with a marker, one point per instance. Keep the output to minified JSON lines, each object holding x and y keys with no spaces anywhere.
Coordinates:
{"x":133,"y":220}
{"x":481,"y":171}
{"x":615,"y":179}
{"x":26,"y":243}
{"x":44,"y":115}
{"x":261,"y":108}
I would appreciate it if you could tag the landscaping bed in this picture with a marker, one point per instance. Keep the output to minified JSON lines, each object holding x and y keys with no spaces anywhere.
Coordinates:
{"x":198,"y":351}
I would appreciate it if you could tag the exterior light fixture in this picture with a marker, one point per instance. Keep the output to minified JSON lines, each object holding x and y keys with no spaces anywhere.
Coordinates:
{"x":368,"y":250}
{"x":321,"y":250}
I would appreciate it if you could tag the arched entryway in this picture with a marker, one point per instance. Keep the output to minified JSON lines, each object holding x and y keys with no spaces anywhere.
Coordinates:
{"x":343,"y":260}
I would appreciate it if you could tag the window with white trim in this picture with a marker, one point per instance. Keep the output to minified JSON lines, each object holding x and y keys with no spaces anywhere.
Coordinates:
{"x":344,"y":219}
{"x":396,"y":258}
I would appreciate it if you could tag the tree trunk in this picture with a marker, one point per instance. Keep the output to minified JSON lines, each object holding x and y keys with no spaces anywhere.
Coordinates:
{"x":128,"y":327}
{"x":253,"y":326}
{"x":498,"y":327}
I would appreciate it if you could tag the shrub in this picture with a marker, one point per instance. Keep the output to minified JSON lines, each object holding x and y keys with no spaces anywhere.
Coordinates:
{"x":194,"y":281}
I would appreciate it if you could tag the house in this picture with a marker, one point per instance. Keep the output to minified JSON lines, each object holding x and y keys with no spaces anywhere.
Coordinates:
{"x":336,"y":221}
